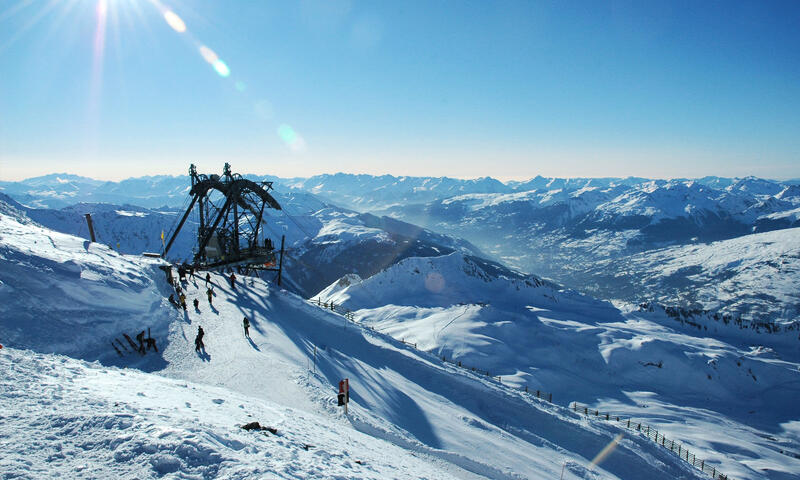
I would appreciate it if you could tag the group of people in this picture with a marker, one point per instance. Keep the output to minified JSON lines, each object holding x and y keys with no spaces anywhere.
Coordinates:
{"x":146,"y":343}
{"x":181,"y":302}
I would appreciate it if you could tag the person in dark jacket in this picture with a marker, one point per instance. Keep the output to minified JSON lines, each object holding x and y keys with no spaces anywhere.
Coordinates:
{"x":210,"y":294}
{"x":233,"y":280}
{"x":246,"y":325}
{"x":140,"y":339}
{"x":208,"y":278}
{"x":198,"y":340}
{"x":196,"y":303}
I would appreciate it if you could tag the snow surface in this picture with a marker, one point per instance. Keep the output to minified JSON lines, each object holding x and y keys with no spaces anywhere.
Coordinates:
{"x":67,"y":417}
{"x":755,"y":276}
{"x":726,"y":400}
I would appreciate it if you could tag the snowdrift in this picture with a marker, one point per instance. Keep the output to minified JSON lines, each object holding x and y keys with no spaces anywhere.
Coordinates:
{"x":62,"y":294}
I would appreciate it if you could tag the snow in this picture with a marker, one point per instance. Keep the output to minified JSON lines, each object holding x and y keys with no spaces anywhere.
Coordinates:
{"x":53,"y":281}
{"x":411,"y":415}
{"x":66,"y":417}
{"x":726,"y":401}
{"x":177,"y":413}
{"x":754,"y":276}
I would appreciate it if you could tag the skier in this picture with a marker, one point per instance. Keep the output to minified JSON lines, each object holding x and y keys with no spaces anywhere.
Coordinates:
{"x":233,"y":280}
{"x":140,"y":339}
{"x":246,"y":325}
{"x":198,"y":340}
{"x":183,"y":301}
{"x":210,"y":294}
{"x":196,"y":303}
{"x":208,"y":278}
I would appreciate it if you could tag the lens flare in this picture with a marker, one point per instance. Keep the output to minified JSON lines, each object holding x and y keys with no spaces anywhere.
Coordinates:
{"x":221,"y":68}
{"x":605,"y":452}
{"x":434,"y":282}
{"x":208,"y":54}
{"x":291,"y":138}
{"x":97,"y":60}
{"x":174,"y":21}
{"x":287,"y":133}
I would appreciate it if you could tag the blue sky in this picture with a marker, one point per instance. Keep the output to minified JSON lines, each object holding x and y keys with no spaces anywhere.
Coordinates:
{"x":108,"y":89}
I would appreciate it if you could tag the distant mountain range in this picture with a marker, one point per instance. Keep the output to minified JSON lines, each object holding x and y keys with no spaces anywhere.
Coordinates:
{"x":592,"y":234}
{"x":323,"y":242}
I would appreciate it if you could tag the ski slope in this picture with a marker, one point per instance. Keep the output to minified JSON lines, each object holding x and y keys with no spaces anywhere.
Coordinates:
{"x":67,"y":418}
{"x":441,"y":421}
{"x":732,"y":401}
{"x":397,"y":393}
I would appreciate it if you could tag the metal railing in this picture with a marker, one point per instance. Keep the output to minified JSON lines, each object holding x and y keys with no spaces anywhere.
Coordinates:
{"x":653,"y":434}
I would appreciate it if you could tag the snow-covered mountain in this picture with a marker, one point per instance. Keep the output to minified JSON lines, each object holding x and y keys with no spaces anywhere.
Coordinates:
{"x":323,"y":242}
{"x":564,"y":229}
{"x":52,"y":191}
{"x":584,"y":237}
{"x":754,"y":276}
{"x":685,"y":376}
{"x":410,"y":414}
{"x":368,"y":192}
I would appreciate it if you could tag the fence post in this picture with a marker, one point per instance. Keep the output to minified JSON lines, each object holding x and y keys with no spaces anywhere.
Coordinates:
{"x":629,"y":423}
{"x":606,"y":416}
{"x":526,"y":391}
{"x":537,"y":393}
{"x":648,"y":430}
{"x":551,"y":398}
{"x":585,"y":411}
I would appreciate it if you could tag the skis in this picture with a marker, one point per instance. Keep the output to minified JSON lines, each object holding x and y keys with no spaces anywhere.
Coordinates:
{"x":132,"y":343}
{"x":120,"y":344}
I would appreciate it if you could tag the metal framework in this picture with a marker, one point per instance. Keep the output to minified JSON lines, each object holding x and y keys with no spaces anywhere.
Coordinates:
{"x":230,"y":210}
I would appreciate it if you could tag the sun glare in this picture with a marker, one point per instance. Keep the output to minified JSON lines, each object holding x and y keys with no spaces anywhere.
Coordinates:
{"x":106,"y":15}
{"x":174,"y":21}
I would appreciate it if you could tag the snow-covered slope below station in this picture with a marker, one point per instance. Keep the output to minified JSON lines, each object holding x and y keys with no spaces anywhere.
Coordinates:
{"x":63,"y":294}
{"x":443,"y":415}
{"x":67,"y":418}
{"x":627,"y":362}
{"x":398,"y":393}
